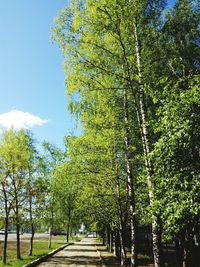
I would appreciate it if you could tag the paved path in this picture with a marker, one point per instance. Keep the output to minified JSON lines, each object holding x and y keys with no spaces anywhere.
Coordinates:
{"x":81,"y":254}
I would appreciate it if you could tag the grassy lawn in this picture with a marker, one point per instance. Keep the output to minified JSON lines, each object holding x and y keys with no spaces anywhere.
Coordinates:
{"x":40,"y":248}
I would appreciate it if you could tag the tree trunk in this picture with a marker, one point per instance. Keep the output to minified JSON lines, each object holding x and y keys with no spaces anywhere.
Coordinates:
{"x":157,"y":247}
{"x":142,"y":119}
{"x":5,"y":240}
{"x":103,"y":238}
{"x":121,"y":227}
{"x":108,"y":237}
{"x":7,"y":210}
{"x":51,"y":225}
{"x":50,"y":237}
{"x":111,"y":241}
{"x":18,"y":240}
{"x":32,"y":227}
{"x":17,"y":229}
{"x":31,"y":240}
{"x":115,"y":243}
{"x":130,"y":184}
{"x":122,"y":248}
{"x":67,"y":236}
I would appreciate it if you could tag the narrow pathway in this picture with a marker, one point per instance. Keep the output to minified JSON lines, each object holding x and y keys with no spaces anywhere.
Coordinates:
{"x":81,"y":254}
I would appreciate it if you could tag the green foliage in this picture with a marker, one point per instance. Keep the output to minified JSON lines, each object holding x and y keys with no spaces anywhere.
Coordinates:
{"x":132,"y":74}
{"x":176,"y":156}
{"x":66,"y":189}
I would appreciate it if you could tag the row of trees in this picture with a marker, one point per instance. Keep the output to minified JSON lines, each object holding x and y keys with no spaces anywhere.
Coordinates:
{"x":133,"y":78}
{"x":35,"y":192}
{"x":18,"y":165}
{"x":132,"y":73}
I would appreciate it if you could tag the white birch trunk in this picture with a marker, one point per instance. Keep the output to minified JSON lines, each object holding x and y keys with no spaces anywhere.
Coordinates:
{"x":130,"y":185}
{"x":146,"y":149}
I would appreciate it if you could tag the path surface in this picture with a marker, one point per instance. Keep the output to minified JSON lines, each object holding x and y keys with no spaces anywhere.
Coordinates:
{"x":81,"y":254}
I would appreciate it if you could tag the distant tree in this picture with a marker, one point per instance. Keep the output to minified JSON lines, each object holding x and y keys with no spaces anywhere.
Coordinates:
{"x":66,"y":188}
{"x":6,"y":204}
{"x":15,"y":153}
{"x":52,"y":157}
{"x":36,"y":189}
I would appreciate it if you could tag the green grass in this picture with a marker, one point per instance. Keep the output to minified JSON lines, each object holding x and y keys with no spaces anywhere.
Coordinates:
{"x":71,"y":238}
{"x":75,"y":238}
{"x":99,"y":240}
{"x":40,"y":249}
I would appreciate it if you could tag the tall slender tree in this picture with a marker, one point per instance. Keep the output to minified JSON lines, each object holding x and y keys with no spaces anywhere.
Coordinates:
{"x":128,"y":56}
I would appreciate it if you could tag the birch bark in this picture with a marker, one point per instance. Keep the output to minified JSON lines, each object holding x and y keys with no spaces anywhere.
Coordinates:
{"x":156,"y":235}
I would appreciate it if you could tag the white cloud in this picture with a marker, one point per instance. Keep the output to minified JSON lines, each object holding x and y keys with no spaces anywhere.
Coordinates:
{"x":20,"y":120}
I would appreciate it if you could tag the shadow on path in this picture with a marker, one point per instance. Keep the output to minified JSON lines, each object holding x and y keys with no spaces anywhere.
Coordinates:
{"x":81,"y":254}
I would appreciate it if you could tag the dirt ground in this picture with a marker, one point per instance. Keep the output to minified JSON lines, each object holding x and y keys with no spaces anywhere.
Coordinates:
{"x":12,"y":246}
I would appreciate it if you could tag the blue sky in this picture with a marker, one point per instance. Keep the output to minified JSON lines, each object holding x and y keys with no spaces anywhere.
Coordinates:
{"x":31,"y":75}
